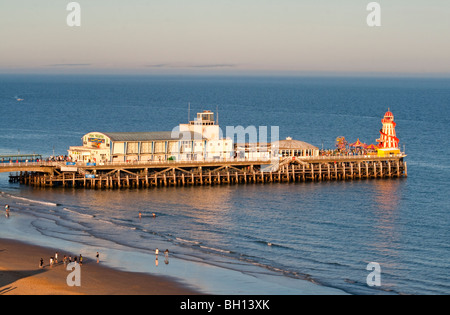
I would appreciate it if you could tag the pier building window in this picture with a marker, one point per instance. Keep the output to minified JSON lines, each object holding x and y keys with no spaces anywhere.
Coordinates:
{"x":146,"y":147}
{"x":119,"y":148}
{"x":132,"y":148}
{"x":173,"y":147}
{"x":160,"y":147}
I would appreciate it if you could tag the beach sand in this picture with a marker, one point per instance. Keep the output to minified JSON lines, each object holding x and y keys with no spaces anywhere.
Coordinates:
{"x":20,"y":275}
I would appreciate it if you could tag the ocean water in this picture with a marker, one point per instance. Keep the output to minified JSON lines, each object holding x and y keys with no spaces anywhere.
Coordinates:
{"x":322,"y":234}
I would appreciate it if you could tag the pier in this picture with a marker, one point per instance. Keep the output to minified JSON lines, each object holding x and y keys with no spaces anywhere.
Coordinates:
{"x":196,"y":155}
{"x":116,"y":175}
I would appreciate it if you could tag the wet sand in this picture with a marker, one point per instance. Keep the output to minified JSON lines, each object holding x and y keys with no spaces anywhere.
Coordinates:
{"x":20,"y":275}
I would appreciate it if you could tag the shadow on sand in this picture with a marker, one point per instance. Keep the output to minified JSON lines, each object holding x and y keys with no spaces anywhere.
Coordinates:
{"x":10,"y":276}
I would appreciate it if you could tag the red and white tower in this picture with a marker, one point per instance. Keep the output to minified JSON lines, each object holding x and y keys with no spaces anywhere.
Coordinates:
{"x":388,"y":142}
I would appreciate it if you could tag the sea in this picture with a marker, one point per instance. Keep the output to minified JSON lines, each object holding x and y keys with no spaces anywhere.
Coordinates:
{"x":276,"y":239}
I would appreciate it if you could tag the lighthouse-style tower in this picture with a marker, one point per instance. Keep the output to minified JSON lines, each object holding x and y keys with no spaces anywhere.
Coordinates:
{"x":388,"y":142}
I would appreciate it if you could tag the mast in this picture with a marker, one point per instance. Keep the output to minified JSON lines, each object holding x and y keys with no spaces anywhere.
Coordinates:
{"x":217,"y":113}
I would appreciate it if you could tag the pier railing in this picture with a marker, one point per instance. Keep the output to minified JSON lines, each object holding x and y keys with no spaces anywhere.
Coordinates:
{"x":24,"y":164}
{"x":175,"y":162}
{"x":19,"y":166}
{"x":352,"y":157}
{"x":326,"y":158}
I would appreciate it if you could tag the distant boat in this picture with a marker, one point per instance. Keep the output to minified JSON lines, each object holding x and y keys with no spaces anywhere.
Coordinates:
{"x":19,"y":99}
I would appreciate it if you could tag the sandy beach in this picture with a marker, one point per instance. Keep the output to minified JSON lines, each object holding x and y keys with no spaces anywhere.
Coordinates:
{"x":20,"y":275}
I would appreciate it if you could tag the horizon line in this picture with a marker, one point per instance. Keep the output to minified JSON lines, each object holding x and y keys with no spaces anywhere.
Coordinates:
{"x":240,"y":73}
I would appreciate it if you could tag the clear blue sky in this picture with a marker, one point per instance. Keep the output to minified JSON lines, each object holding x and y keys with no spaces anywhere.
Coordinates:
{"x":225,"y":36}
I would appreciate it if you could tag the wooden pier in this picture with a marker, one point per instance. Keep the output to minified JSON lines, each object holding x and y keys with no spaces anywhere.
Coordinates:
{"x":173,"y":174}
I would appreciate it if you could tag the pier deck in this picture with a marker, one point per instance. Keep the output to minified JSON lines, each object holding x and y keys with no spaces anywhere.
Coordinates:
{"x":190,"y":173}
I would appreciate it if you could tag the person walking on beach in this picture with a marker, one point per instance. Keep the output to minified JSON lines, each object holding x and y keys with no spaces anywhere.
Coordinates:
{"x":7,"y":211}
{"x":166,"y":254}
{"x":98,"y":257}
{"x":56,"y":257}
{"x":81,"y":260}
{"x":41,"y":263}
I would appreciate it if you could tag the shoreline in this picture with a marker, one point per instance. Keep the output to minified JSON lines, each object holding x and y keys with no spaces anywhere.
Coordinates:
{"x":191,"y":273}
{"x":20,"y":275}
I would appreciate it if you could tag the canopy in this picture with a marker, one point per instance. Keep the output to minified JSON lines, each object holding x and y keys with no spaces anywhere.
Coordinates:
{"x":372,"y":147}
{"x":358,"y":144}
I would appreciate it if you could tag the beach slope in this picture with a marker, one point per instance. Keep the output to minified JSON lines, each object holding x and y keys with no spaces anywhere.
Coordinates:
{"x":20,"y":275}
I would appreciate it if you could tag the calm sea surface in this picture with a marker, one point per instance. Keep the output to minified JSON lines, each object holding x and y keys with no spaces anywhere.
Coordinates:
{"x":323,"y":232}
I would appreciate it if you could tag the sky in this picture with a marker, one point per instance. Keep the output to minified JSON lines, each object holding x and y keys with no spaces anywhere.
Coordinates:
{"x":225,"y":36}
